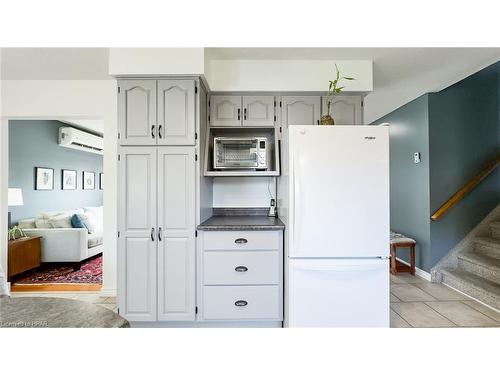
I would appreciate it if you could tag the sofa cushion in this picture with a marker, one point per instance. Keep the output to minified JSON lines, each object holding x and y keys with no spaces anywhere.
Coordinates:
{"x":60,"y":221}
{"x":77,"y":222}
{"x":97,"y":215}
{"x":89,"y":221}
{"x":27,"y":224}
{"x":94,"y":240}
{"x":42,"y":223}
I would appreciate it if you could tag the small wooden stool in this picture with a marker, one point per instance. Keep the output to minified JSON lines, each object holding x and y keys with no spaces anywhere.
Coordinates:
{"x":399,"y":240}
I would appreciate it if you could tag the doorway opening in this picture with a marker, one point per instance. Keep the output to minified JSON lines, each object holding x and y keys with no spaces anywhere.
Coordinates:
{"x":55,"y":204}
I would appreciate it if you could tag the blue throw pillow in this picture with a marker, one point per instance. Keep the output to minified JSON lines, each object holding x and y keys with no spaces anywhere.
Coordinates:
{"x":77,"y":222}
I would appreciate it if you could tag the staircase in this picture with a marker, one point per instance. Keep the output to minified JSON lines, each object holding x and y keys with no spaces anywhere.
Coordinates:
{"x":478,"y":269}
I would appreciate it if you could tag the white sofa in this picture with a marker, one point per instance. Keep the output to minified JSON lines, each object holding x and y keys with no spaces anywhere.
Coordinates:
{"x":60,"y":241}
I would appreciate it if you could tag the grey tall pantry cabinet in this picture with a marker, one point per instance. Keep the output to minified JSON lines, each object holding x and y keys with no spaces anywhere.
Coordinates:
{"x":157,"y":198}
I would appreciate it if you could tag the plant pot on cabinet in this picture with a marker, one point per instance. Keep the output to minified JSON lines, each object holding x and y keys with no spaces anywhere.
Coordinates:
{"x":327,"y":120}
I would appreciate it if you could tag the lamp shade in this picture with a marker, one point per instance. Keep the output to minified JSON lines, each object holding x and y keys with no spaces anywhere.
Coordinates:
{"x":15,"y":197}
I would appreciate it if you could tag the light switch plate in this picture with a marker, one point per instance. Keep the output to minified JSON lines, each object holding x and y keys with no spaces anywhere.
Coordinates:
{"x":416,"y":157}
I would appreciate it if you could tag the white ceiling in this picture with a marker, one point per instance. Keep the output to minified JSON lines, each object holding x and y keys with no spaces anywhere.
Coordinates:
{"x":400,"y":74}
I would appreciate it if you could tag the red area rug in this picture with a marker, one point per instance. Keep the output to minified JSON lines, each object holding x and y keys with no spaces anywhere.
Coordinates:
{"x":89,"y":273}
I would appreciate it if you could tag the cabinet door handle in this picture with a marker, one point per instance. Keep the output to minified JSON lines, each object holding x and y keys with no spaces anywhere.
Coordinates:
{"x":245,"y":114}
{"x":159,"y":132}
{"x":239,"y":113}
{"x":159,"y":234}
{"x":153,"y":131}
{"x":241,"y":241}
{"x":152,"y":234}
{"x":241,"y":302}
{"x":241,"y":269}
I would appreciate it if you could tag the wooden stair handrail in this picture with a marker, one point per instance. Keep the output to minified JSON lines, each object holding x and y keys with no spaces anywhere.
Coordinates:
{"x":466,"y":189}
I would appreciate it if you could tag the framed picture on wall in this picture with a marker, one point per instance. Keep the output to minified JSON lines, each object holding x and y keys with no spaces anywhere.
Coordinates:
{"x":88,"y":180}
{"x":101,"y":181}
{"x":68,"y":179}
{"x":44,"y":178}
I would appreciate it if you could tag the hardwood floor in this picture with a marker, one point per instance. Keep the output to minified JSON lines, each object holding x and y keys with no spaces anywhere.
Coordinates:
{"x":56,"y":287}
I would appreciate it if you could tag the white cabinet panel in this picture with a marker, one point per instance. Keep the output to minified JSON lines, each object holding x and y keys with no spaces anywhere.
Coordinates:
{"x":176,"y":112}
{"x":300,"y":110}
{"x":137,"y":222}
{"x":258,"y":111}
{"x":176,"y":222}
{"x":137,"y":112}
{"x":346,"y":110}
{"x":242,"y":303}
{"x":241,"y":240}
{"x":241,"y":267}
{"x":225,"y":110}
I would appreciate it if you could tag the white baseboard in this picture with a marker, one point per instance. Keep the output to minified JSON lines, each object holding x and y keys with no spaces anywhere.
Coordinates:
{"x":108,"y":292}
{"x":418,"y":272}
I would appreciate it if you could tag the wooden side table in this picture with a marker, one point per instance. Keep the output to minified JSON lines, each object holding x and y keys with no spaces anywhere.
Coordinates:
{"x":399,"y":240}
{"x":24,"y":254}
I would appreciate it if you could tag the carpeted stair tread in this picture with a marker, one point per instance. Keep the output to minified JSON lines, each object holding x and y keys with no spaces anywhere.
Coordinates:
{"x":488,"y":241}
{"x":495,"y":224}
{"x":475,"y":281}
{"x":482,"y":260}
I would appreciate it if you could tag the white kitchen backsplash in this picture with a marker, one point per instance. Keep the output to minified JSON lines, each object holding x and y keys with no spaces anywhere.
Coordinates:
{"x":243,"y":191}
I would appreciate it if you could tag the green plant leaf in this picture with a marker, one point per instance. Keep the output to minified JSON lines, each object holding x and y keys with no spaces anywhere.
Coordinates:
{"x":348,"y":78}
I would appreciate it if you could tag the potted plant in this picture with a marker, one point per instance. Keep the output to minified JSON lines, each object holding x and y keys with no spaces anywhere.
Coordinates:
{"x":333,"y":90}
{"x":15,"y":232}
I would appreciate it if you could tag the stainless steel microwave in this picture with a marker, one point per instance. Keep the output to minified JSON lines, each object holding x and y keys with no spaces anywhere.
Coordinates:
{"x":240,"y":153}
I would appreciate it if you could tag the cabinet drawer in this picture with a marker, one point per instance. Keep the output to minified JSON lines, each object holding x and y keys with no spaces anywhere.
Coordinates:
{"x":242,"y":303}
{"x":244,"y":240}
{"x":241,"y":267}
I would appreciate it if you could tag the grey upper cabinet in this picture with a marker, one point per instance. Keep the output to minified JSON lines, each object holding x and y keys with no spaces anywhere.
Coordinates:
{"x":137,"y":112}
{"x":346,"y":110}
{"x":258,"y":111}
{"x":156,"y":112}
{"x":136,"y":240}
{"x":300,"y":110}
{"x":176,"y":112}
{"x":225,"y":110}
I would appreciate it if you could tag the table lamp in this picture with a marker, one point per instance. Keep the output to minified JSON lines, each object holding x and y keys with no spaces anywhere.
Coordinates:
{"x":15,"y":198}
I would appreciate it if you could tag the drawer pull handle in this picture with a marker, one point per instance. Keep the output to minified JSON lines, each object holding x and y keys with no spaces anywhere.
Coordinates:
{"x":241,"y":269}
{"x":241,"y":303}
{"x":241,"y":241}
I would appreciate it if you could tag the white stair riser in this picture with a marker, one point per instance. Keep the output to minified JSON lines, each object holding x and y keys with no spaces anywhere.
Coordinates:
{"x":490,"y":251}
{"x":489,"y":273}
{"x":467,"y":288}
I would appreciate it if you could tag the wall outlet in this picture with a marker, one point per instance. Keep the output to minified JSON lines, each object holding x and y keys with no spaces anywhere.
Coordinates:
{"x":416,"y":157}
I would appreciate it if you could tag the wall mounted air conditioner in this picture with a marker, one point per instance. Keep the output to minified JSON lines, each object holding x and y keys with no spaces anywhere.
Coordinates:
{"x":80,"y":140}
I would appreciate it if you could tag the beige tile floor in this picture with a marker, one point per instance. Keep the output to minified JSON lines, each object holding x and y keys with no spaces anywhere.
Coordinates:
{"x":415,"y":302}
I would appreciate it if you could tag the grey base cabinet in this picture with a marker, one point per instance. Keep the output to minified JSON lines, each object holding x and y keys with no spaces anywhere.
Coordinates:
{"x":240,"y":276}
{"x":156,"y":244}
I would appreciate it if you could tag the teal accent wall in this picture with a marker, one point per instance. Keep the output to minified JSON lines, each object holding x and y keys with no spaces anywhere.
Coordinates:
{"x":457,"y":131}
{"x":464,"y":133}
{"x":34,"y":143}
{"x":409,"y":182}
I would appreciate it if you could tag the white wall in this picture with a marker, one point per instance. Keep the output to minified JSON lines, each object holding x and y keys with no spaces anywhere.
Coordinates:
{"x":49,"y":99}
{"x":286,"y":75}
{"x":243,"y":191}
{"x":156,"y":61}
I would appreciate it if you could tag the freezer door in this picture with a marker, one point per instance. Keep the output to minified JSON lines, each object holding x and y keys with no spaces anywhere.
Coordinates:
{"x":339,"y":191}
{"x":337,"y":293}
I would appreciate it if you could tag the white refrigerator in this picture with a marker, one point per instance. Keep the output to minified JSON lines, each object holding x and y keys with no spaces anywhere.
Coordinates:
{"x":333,"y":196}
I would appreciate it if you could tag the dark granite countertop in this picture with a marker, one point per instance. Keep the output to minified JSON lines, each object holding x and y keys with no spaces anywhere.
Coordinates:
{"x":50,"y":312}
{"x":241,"y":219}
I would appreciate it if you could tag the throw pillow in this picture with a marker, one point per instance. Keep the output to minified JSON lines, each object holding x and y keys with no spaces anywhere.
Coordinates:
{"x":77,"y":222}
{"x":27,"y":224}
{"x":60,"y":221}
